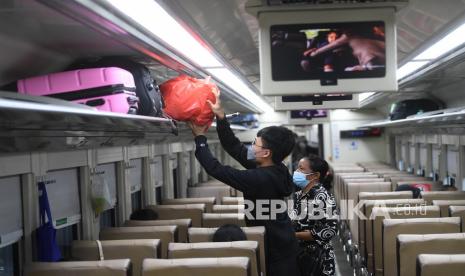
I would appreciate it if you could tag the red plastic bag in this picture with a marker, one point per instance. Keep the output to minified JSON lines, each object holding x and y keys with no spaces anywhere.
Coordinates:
{"x":186,"y":99}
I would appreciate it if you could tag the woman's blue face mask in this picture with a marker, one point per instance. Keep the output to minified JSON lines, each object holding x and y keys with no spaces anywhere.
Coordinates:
{"x":300,"y":179}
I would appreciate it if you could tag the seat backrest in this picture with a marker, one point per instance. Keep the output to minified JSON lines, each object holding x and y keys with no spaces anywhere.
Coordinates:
{"x":210,"y":183}
{"x":441,"y":195}
{"x":353,"y":189}
{"x":88,"y":268}
{"x":410,"y":246}
{"x":379,"y":214}
{"x":233,"y":266}
{"x":165,"y":234}
{"x":458,"y":211}
{"x":192,"y":211}
{"x":253,"y":234}
{"x":230,"y":200}
{"x":208,"y":201}
{"x":356,"y":179}
{"x":434,"y":264}
{"x":444,"y":205}
{"x":135,"y":250}
{"x":393,"y":227}
{"x":182,"y":224}
{"x":228,"y":209}
{"x":384,"y":195}
{"x":217,"y":220}
{"x":208,"y":191}
{"x":339,"y":179}
{"x":247,"y":249}
{"x":366,"y":230}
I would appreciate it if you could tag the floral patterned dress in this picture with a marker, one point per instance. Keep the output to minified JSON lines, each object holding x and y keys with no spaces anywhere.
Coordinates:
{"x":316,"y":211}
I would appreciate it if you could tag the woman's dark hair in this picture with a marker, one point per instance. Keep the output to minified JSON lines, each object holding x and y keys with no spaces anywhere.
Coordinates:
{"x":319,"y":165}
{"x":144,"y":214}
{"x":228,"y":233}
{"x":279,"y":140}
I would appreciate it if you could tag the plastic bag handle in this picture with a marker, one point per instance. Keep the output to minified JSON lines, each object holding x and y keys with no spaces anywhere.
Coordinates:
{"x":100,"y":250}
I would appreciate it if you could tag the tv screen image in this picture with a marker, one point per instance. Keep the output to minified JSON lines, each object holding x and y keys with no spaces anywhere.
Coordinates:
{"x":308,"y":114}
{"x":319,"y":51}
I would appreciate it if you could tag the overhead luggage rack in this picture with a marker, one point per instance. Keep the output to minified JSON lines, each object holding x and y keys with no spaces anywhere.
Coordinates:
{"x":446,"y":117}
{"x":37,"y":123}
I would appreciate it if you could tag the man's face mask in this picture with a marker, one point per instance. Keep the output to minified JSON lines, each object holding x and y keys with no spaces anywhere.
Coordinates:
{"x":252,"y":154}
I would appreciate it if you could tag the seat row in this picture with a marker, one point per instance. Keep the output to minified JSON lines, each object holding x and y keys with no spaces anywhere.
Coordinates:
{"x":233,"y":266}
{"x":372,"y":243}
{"x":180,"y":222}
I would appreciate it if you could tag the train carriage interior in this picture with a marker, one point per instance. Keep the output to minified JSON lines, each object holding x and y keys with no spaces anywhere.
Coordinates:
{"x":100,"y":173}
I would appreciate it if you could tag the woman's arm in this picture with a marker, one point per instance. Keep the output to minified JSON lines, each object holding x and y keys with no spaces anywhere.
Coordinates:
{"x":304,"y":235}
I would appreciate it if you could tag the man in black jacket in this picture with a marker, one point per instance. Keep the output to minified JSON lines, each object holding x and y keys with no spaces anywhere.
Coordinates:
{"x":265,"y":181}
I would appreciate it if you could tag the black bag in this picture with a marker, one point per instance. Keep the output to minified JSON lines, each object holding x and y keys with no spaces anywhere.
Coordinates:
{"x":403,"y":109}
{"x":150,"y":99}
{"x":310,"y":260}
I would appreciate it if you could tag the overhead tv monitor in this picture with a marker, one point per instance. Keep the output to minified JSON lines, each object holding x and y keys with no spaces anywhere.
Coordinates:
{"x":326,"y":51}
{"x":317,"y":101}
{"x":308,"y":116}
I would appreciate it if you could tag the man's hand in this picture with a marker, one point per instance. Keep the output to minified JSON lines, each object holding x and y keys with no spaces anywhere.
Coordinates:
{"x":196,"y":129}
{"x":216,"y":107}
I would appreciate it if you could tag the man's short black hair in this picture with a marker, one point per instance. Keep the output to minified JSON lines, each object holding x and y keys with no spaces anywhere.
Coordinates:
{"x":144,"y":214}
{"x":279,"y":140}
{"x":228,"y":233}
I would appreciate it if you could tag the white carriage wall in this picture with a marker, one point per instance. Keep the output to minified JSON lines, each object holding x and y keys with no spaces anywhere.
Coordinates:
{"x":353,"y":150}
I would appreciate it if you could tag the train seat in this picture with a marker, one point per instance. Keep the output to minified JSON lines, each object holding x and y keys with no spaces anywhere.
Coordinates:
{"x":393,"y":227}
{"x":182,"y":224}
{"x":410,"y":246}
{"x":165,"y":234}
{"x":230,"y":200}
{"x":88,"y":268}
{"x":208,"y":201}
{"x":233,"y":266}
{"x":441,"y":195}
{"x":225,"y":209}
{"x":217,"y":220}
{"x":458,"y":211}
{"x":192,"y":211}
{"x":209,"y":191}
{"x":366,"y":234}
{"x":135,"y":250}
{"x":436,"y":264}
{"x":247,"y":249}
{"x":253,"y":234}
{"x":377,"y":218}
{"x":444,"y":205}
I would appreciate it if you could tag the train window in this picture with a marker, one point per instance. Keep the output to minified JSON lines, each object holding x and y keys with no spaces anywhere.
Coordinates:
{"x":452,"y":165}
{"x":423,"y":160}
{"x":159,"y":194}
{"x":174,"y":174}
{"x":9,"y":260}
{"x":135,"y":175}
{"x":108,"y":218}
{"x":175,"y":182}
{"x":64,"y":238}
{"x":412,"y":157}
{"x":187,"y":168}
{"x":136,"y":200}
{"x":156,"y":170}
{"x":63,"y":195}
{"x":436,"y":152}
{"x":11,"y":220}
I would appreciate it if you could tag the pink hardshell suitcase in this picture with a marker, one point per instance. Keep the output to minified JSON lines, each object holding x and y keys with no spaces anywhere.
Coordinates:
{"x":107,"y":89}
